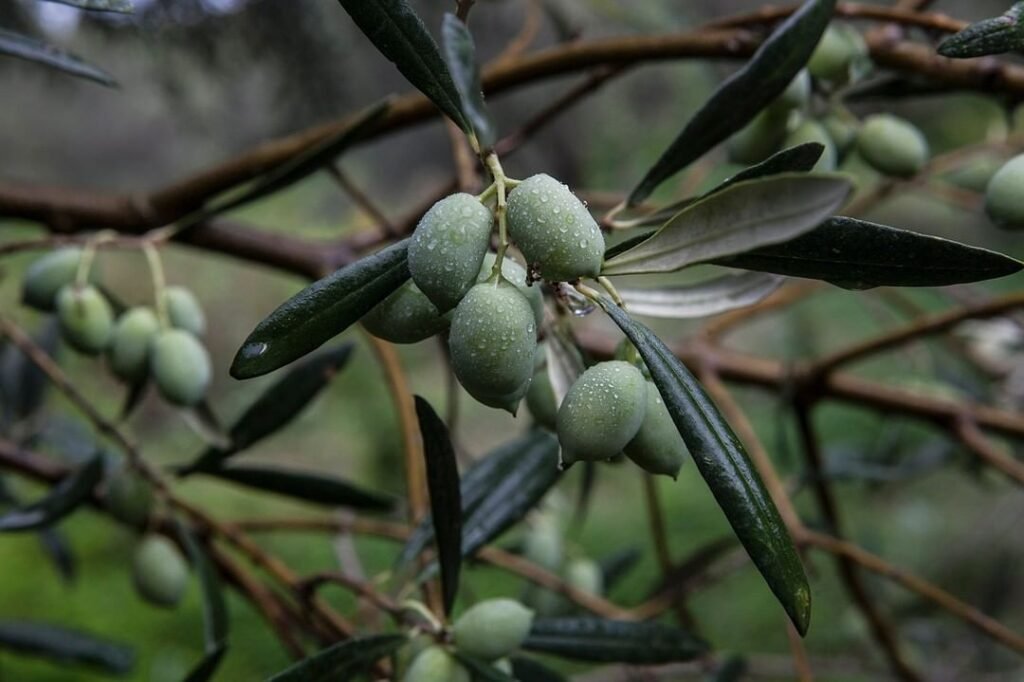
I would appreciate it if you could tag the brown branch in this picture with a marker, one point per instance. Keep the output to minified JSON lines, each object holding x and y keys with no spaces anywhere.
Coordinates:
{"x":360,"y":198}
{"x":905,"y":16}
{"x":981,"y":447}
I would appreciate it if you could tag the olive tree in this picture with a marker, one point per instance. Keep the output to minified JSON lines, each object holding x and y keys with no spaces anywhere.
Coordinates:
{"x":499,"y":269}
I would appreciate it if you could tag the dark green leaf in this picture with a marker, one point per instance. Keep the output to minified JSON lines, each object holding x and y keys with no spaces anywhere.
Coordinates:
{"x":24,"y":47}
{"x":22,"y":384}
{"x":997,"y":35}
{"x":66,"y":646}
{"x":399,"y":34}
{"x":754,"y":212}
{"x":341,"y":661}
{"x":122,"y":6}
{"x":215,"y":610}
{"x":474,"y":488}
{"x":627,"y":244}
{"x":723,"y":463}
{"x":62,"y":499}
{"x":529,"y":670}
{"x":856,"y":254}
{"x":445,"y":498}
{"x":613,"y":641}
{"x":296,"y":168}
{"x":59,"y":550}
{"x":617,"y":565}
{"x":205,"y":669}
{"x":321,"y":311}
{"x":460,"y":54}
{"x":482,"y":671}
{"x":744,"y":94}
{"x":277,"y":406}
{"x":308,"y":487}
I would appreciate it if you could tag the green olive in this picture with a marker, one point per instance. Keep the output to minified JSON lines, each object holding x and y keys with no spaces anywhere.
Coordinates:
{"x":515,"y":273}
{"x":838,"y":52}
{"x":842,"y":130}
{"x":434,"y":664}
{"x":184,"y":310}
{"x":129,"y":349}
{"x":657,"y":447}
{"x":893,"y":146}
{"x":554,"y":230}
{"x":796,"y":95}
{"x":812,"y":131}
{"x":493,"y":340}
{"x":543,"y":543}
{"x":540,"y":400}
{"x":159,"y":571}
{"x":1004,"y":197}
{"x":180,"y":367}
{"x":86,"y":318}
{"x":447,"y":247}
{"x":406,"y":316}
{"x":585,"y":575}
{"x":47,"y":275}
{"x":602,"y":412}
{"x":760,"y":138}
{"x":129,"y":497}
{"x":492,"y":629}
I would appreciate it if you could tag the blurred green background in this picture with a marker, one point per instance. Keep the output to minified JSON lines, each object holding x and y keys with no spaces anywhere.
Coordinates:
{"x":202,"y":80}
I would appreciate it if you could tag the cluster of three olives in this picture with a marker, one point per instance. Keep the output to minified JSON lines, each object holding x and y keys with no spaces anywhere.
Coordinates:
{"x":491,"y":318}
{"x":489,"y":631}
{"x":134,"y":342}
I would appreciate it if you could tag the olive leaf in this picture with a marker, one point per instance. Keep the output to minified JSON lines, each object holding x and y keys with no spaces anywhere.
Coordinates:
{"x":709,"y":297}
{"x":321,"y":311}
{"x":599,"y":640}
{"x":747,"y":214}
{"x":445,"y":498}
{"x":460,"y":54}
{"x":618,"y":564}
{"x":215,"y":613}
{"x":856,"y":254}
{"x":723,"y":462}
{"x":341,"y":661}
{"x":24,"y":47}
{"x":63,"y":498}
{"x":996,"y":35}
{"x":53,"y":542}
{"x":66,"y":646}
{"x":122,"y":6}
{"x":399,"y":34}
{"x":744,"y":94}
{"x":277,"y":406}
{"x":306,"y":487}
{"x":530,"y":670}
{"x":22,"y":384}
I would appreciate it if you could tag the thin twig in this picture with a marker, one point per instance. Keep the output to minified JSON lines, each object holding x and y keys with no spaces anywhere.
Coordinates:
{"x":362,"y":200}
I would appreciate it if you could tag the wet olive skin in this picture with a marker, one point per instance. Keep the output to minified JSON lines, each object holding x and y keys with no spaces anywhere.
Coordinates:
{"x":657,"y":447}
{"x":601,"y":412}
{"x":180,"y":367}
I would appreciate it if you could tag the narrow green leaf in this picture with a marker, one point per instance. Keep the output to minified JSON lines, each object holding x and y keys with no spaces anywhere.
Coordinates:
{"x":856,"y":254}
{"x":66,"y":646}
{"x":460,"y":54}
{"x":445,"y":498}
{"x":748,"y":214}
{"x":617,"y":565}
{"x":482,"y":671}
{"x":277,"y":406}
{"x":997,"y":35}
{"x":206,"y":667}
{"x":62,"y":499}
{"x":215,"y":611}
{"x":529,"y":670}
{"x":30,"y":49}
{"x":121,"y":6}
{"x":23,"y":385}
{"x":744,"y":94}
{"x":709,"y":297}
{"x":321,"y":311}
{"x":296,"y":168}
{"x":611,"y":641}
{"x":474,"y":487}
{"x":341,"y":661}
{"x":724,"y":464}
{"x":53,"y":542}
{"x":307,"y":487}
{"x":399,"y":34}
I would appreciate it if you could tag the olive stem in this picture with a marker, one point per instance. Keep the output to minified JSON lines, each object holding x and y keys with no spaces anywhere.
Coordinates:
{"x":500,"y":183}
{"x":593,"y":294}
{"x":156,"y":271}
{"x":484,"y":196}
{"x":421,"y":610}
{"x":89,"y":256}
{"x":612,"y":291}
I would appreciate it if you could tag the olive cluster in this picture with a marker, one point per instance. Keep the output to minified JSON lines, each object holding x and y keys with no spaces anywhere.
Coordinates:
{"x":885,"y":143}
{"x":137,"y":344}
{"x":489,"y":631}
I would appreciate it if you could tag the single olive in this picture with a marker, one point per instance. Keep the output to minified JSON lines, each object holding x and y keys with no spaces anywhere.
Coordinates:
{"x":540,"y":400}
{"x":892,"y":145}
{"x":47,"y":275}
{"x":543,"y":543}
{"x":760,"y":138}
{"x":129,"y":349}
{"x":842,"y":130}
{"x":493,"y":340}
{"x":837,"y":54}
{"x":180,"y":367}
{"x":515,"y":273}
{"x":129,"y":497}
{"x":86,"y":318}
{"x":1004,"y":197}
{"x":657,"y":447}
{"x":554,"y":230}
{"x":435,"y":664}
{"x":406,"y":316}
{"x":812,"y":131}
{"x":159,"y":571}
{"x":492,"y":629}
{"x":585,"y":575}
{"x":797,"y":94}
{"x":184,"y":310}
{"x":602,"y":412}
{"x":447,"y":247}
